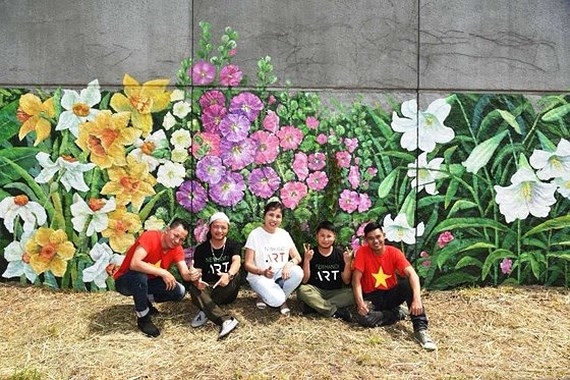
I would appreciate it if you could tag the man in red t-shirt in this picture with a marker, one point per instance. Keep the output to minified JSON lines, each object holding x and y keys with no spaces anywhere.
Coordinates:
{"x":377,"y":291}
{"x":144,"y":273}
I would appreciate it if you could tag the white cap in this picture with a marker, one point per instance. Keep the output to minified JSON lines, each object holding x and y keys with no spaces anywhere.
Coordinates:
{"x":219,"y":216}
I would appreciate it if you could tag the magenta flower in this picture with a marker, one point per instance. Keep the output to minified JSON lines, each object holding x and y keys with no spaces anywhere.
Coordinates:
{"x":212,"y":98}
{"x":201,"y":230}
{"x":267,"y":147}
{"x":506,"y":266}
{"x":192,"y":196}
{"x":317,"y":180}
{"x":343,"y":159}
{"x":351,"y":144}
{"x":364,"y":202}
{"x":230,"y":75}
{"x":204,"y":144}
{"x":247,"y":104}
{"x":349,"y":201}
{"x":360,"y":230}
{"x":317,"y":161}
{"x":212,"y":116}
{"x":210,"y":169}
{"x":235,"y":127}
{"x":292,"y":193}
{"x":322,"y":139}
{"x":229,"y":191}
{"x":271,"y":121}
{"x":232,"y":52}
{"x":444,"y":238}
{"x":264,"y":182}
{"x":271,"y":100}
{"x":300,"y":166}
{"x":238,"y":155}
{"x":203,"y":73}
{"x":354,"y":177}
{"x":290,"y":137}
{"x":312,"y":122}
{"x":189,"y":254}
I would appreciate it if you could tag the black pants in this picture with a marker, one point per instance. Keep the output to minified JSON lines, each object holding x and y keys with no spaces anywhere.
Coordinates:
{"x":208,"y":299}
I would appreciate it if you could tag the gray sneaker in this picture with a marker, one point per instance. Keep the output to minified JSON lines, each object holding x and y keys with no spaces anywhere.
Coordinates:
{"x":199,"y":319}
{"x":227,"y":327}
{"x":425,"y":340}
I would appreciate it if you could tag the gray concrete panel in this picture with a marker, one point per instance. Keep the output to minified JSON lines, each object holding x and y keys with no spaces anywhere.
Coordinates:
{"x":495,"y":45}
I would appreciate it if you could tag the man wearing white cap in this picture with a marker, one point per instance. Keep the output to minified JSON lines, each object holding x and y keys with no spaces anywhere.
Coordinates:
{"x":219,"y":259}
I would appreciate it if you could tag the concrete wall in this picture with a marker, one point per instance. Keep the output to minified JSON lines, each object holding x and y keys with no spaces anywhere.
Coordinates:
{"x":470,"y":45}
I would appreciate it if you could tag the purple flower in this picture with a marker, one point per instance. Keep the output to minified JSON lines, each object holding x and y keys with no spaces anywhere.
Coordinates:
{"x":292,"y":193}
{"x":312,"y":122}
{"x":238,"y":155}
{"x":343,"y":159}
{"x":235,"y":127}
{"x":267,"y":147}
{"x":201,"y":230}
{"x":354,"y":176}
{"x":229,"y":191}
{"x":247,"y":104}
{"x":300,"y":166}
{"x":212,"y":98}
{"x":317,"y":180}
{"x":364,"y":202}
{"x":444,"y":238}
{"x":203,"y":73}
{"x":349,"y":200}
{"x":210,"y":169}
{"x":506,"y":266}
{"x":317,"y":161}
{"x":230,"y":75}
{"x":322,"y":139}
{"x":264,"y":182}
{"x":212,"y":116}
{"x":290,"y":137}
{"x":351,"y":144}
{"x":192,"y":196}
{"x":271,"y":121}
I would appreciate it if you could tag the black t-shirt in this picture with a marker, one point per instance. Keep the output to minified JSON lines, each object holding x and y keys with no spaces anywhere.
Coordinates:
{"x":212,"y":261}
{"x":326,"y":272}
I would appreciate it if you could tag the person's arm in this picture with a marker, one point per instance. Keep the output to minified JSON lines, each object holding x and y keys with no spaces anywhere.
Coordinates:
{"x":226,"y":277}
{"x":416,"y":306}
{"x":357,"y":292}
{"x":139,"y":265}
{"x":347,"y":272}
{"x":249,"y":263}
{"x":295,"y":260}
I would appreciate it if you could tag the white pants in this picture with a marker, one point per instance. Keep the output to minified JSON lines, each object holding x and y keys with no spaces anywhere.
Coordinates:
{"x":275,"y":291}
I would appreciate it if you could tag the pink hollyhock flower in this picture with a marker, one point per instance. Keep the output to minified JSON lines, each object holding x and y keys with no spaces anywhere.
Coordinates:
{"x":300,"y":166}
{"x":444,"y":238}
{"x":247,"y":104}
{"x":317,"y":180}
{"x":264,"y":181}
{"x":271,"y":121}
{"x":235,"y":127}
{"x":267,"y":147}
{"x":360,"y":230}
{"x":230,"y":75}
{"x":290,"y":137}
{"x":317,"y":161}
{"x":292,"y":193}
{"x":343,"y":159}
{"x":426,"y":263}
{"x":212,"y":97}
{"x":354,"y":243}
{"x":322,"y":139}
{"x":203,"y":73}
{"x":271,"y":100}
{"x":506,"y":266}
{"x":354,"y":177}
{"x":351,"y":144}
{"x":371,"y":172}
{"x":312,"y":122}
{"x":237,"y":155}
{"x":232,"y":52}
{"x":364,"y":202}
{"x":204,"y":144}
{"x":212,"y":116}
{"x":348,"y":201}
{"x":201,"y":230}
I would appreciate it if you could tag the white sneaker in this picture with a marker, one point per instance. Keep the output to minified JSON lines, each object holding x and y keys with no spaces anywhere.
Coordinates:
{"x":199,"y":319}
{"x":227,"y":327}
{"x":425,"y":340}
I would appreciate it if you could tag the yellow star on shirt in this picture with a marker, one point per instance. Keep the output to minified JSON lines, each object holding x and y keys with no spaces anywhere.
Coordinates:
{"x":157,"y":264}
{"x":380,"y":277}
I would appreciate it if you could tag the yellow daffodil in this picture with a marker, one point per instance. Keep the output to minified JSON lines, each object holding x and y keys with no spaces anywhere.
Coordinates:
{"x":105,"y":138}
{"x":49,"y":249}
{"x":35,"y":116}
{"x":121,"y":229}
{"x":131,"y":183}
{"x":141,"y":101}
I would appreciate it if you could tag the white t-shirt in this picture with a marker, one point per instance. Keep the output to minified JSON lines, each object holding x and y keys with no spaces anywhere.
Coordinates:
{"x":271,"y":250}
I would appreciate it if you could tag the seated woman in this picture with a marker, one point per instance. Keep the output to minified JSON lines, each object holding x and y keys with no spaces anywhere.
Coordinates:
{"x":272,"y":260}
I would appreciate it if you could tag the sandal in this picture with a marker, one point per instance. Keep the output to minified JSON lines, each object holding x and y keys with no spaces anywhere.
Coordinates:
{"x":284,"y":309}
{"x":260,"y":304}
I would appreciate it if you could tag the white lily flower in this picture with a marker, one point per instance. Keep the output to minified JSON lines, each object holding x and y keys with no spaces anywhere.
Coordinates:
{"x":425,"y":174}
{"x":179,"y":154}
{"x":176,"y":95}
{"x":171,"y":174}
{"x":78,"y":107}
{"x":31,"y":213}
{"x":95,"y":213}
{"x":400,"y":230}
{"x":423,"y":129}
{"x":145,"y":148}
{"x":563,"y":184}
{"x":181,"y":139}
{"x":169,"y":121}
{"x":552,"y":164}
{"x":71,"y":171}
{"x":15,"y":254}
{"x":181,"y":109}
{"x":103,"y":256}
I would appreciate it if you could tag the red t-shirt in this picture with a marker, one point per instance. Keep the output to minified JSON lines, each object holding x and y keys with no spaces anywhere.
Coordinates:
{"x":379,"y":271}
{"x":151,"y":242}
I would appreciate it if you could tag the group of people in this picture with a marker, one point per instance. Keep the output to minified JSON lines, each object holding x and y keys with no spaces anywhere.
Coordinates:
{"x":368,"y":287}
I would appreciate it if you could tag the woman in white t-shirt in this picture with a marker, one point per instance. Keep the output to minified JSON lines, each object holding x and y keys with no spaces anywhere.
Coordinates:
{"x":272,"y":261}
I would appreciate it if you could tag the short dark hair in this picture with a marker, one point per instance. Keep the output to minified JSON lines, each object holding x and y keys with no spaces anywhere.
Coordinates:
{"x":371,"y":227}
{"x":273,"y":205}
{"x":179,"y":222}
{"x":326,"y":225}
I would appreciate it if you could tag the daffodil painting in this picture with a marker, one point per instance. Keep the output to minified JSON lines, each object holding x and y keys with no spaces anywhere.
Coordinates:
{"x":475,"y":188}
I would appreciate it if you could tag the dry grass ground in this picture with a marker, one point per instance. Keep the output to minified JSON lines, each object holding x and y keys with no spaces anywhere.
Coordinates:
{"x":489,"y":333}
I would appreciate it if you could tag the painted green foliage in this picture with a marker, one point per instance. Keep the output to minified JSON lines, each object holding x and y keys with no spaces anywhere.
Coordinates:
{"x":474,"y":188}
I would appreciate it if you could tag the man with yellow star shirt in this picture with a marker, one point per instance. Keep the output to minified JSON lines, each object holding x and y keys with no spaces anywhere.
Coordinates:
{"x":377,"y":291}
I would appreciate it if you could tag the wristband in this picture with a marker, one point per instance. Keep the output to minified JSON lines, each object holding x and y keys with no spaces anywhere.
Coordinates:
{"x":231,"y":276}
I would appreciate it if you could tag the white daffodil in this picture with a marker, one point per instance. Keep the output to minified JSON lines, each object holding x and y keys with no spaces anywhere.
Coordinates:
{"x":425,"y":174}
{"x":104,"y":257}
{"x":181,"y":139}
{"x":176,"y":95}
{"x":154,"y":223}
{"x":400,"y":230}
{"x":30,"y":212}
{"x":146,"y":149}
{"x":171,"y":174}
{"x":552,"y":164}
{"x":18,"y":260}
{"x":181,"y":109}
{"x":78,"y":107}
{"x":94,"y":213}
{"x":563,"y":184}
{"x":169,"y":121}
{"x":526,"y":195}
{"x":423,"y":129}
{"x":70,"y":170}
{"x":179,"y":154}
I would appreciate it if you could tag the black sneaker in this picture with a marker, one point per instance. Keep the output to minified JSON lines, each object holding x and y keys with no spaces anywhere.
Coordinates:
{"x":372,"y":319}
{"x":152,"y":310}
{"x":306,"y":309}
{"x":343,"y":314}
{"x":146,"y":326}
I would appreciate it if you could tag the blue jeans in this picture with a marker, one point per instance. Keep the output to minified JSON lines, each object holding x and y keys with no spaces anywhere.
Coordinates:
{"x":140,"y":286}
